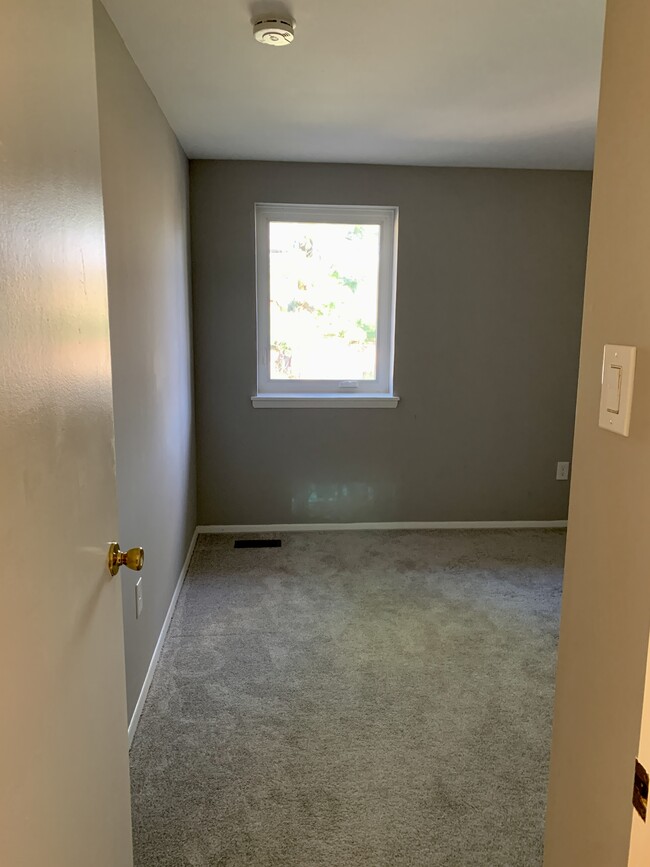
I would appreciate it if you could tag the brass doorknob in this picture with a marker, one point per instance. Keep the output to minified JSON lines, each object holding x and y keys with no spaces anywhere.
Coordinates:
{"x":132,"y":559}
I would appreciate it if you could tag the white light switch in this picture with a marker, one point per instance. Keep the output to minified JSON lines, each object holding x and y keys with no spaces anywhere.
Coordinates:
{"x":613,"y":386}
{"x":617,"y":386}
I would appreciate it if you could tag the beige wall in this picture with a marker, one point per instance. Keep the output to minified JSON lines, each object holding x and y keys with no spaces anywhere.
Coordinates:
{"x":144,"y":175}
{"x":489,"y":303}
{"x":606,"y":604}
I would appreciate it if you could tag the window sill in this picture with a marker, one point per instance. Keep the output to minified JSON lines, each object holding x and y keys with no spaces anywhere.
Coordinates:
{"x":324,"y":401}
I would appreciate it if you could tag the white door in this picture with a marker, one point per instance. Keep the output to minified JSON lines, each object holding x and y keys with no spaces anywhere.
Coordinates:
{"x":64,"y":785}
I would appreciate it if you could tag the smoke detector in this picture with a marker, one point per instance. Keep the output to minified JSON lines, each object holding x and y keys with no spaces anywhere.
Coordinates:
{"x":274,"y":31}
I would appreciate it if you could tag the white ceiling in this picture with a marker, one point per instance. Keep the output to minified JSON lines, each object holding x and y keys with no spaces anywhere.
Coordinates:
{"x":510,"y":83}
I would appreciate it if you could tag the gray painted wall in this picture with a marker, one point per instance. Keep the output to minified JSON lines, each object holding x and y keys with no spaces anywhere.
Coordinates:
{"x":489,"y":304}
{"x":145,"y":186}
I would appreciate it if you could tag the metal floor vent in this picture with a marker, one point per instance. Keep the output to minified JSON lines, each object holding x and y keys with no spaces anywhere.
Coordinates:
{"x":258,"y":543}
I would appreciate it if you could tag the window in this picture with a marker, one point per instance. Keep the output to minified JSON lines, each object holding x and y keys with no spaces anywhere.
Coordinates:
{"x":325,"y":305}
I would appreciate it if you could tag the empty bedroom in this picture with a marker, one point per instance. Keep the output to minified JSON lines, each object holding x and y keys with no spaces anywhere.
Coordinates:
{"x":335,"y":315}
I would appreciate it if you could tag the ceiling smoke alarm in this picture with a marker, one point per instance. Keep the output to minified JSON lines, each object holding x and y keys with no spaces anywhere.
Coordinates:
{"x":274,"y":31}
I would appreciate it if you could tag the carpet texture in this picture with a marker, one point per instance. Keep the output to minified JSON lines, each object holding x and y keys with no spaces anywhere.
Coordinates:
{"x":354,"y":698}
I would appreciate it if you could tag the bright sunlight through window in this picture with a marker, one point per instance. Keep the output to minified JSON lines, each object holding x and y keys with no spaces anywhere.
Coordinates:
{"x":325,"y":305}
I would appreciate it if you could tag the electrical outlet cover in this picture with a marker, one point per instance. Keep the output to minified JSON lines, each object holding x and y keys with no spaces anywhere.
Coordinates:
{"x":562,"y":472}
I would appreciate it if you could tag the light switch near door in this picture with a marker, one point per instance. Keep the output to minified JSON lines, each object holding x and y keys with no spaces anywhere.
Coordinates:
{"x":139,"y":600}
{"x":617,"y":385}
{"x":613,"y":388}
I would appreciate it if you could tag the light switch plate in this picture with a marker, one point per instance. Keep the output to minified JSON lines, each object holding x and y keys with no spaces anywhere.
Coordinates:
{"x":617,"y":385}
{"x":139,"y":601}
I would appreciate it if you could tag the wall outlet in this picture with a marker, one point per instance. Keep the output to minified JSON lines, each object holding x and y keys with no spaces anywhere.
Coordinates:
{"x":562,"y":473}
{"x":138,"y":597}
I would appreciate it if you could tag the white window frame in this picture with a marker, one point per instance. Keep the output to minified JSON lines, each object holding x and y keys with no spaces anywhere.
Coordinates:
{"x":376,"y":393}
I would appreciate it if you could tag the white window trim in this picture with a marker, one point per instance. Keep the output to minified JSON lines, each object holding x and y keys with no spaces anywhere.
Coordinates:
{"x":325,"y":401}
{"x":377,"y":393}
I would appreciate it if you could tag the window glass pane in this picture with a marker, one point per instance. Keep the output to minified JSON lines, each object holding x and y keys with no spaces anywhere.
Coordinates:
{"x":323,"y":300}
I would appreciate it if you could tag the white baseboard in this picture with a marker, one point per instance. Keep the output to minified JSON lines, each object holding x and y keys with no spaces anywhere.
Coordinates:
{"x":387,"y":525}
{"x":137,"y":711}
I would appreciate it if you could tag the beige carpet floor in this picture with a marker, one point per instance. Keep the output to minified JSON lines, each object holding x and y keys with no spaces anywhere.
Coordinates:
{"x":354,"y":698}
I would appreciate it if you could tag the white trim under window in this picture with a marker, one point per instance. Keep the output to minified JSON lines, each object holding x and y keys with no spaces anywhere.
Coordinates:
{"x":300,"y":392}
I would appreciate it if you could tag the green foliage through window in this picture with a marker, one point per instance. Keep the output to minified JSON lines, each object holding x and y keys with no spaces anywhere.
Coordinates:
{"x":324,"y":296}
